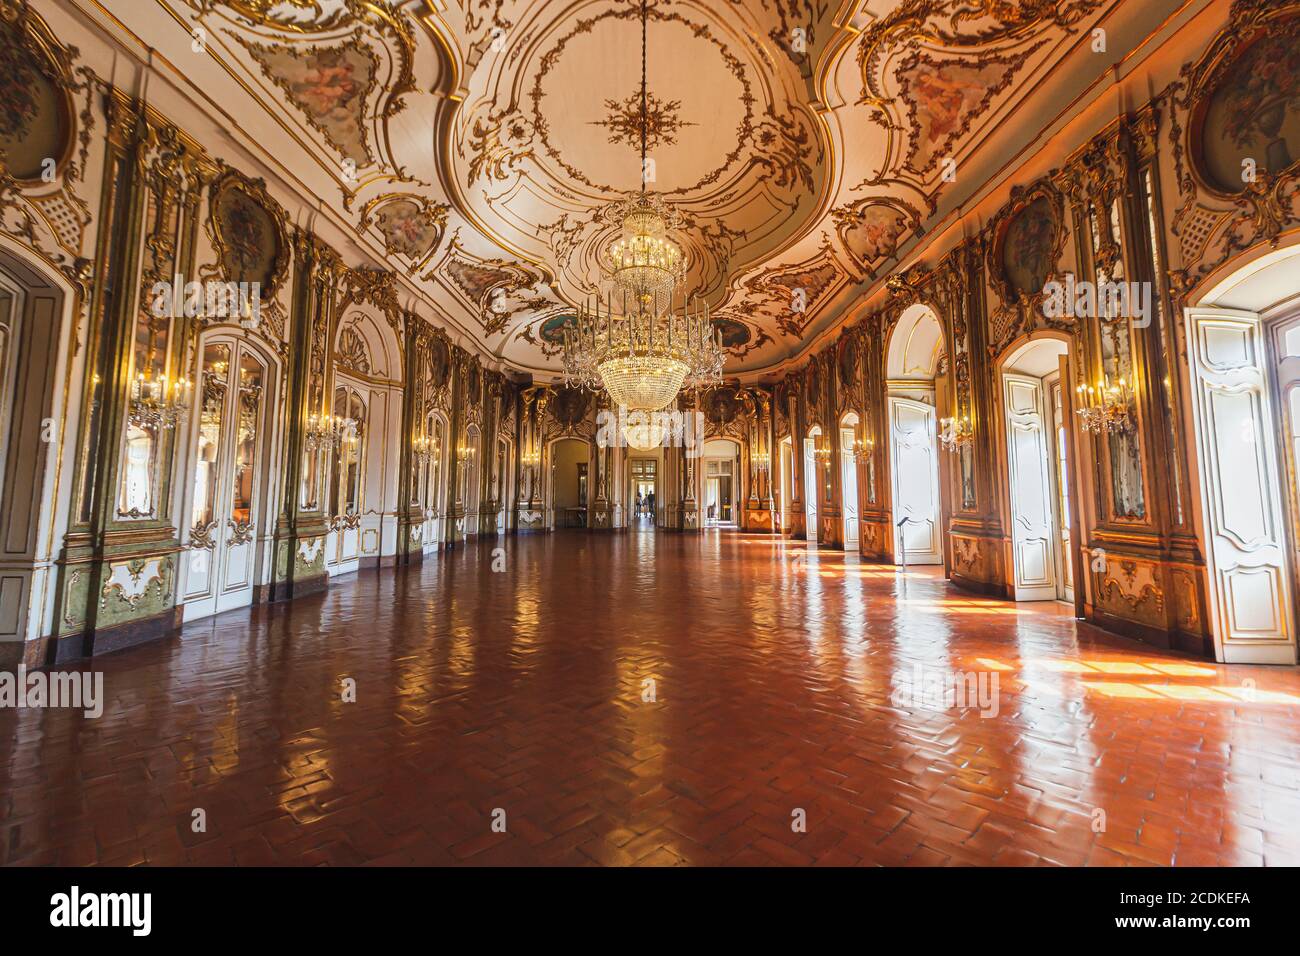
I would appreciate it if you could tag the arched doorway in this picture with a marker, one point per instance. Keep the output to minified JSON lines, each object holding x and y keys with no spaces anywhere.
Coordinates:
{"x":362,"y":485}
{"x":912,"y":366}
{"x":785,"y":488}
{"x":643,"y":492}
{"x":721,"y":467}
{"x":503,"y":482}
{"x":347,"y":479}
{"x":1243,"y":348}
{"x":432,"y":476}
{"x":1038,"y":478}
{"x":34,"y":312}
{"x":810,"y":484}
{"x":469,"y":479}
{"x":230,"y":475}
{"x":570,"y":491}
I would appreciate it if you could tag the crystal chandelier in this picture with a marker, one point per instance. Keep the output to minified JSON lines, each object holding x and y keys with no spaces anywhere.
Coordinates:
{"x":643,"y":262}
{"x":1106,"y":407}
{"x":644,"y":353}
{"x":642,"y":356}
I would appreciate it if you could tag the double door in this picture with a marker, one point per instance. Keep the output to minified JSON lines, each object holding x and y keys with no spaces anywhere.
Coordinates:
{"x":228,"y":478}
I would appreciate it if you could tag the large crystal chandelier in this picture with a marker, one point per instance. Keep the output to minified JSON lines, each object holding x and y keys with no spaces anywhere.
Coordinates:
{"x":643,"y":262}
{"x":644,"y":351}
{"x":643,"y":355}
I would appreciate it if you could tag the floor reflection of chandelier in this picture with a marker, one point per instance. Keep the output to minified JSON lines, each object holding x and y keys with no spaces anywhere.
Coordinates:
{"x":644,"y":352}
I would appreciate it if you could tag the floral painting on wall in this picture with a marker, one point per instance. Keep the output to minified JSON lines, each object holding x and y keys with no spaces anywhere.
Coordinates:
{"x":1250,"y":123}
{"x":1028,"y":247}
{"x":248,"y":238}
{"x":33,"y":114}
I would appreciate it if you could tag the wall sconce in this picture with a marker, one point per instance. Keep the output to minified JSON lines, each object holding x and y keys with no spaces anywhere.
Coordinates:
{"x":956,"y":433}
{"x":158,"y":403}
{"x":823,"y":454}
{"x":861,"y":450}
{"x":1106,"y":407}
{"x":465,"y":452}
{"x":329,"y":431}
{"x":758,"y":460}
{"x":532,"y":458}
{"x":424,"y":449}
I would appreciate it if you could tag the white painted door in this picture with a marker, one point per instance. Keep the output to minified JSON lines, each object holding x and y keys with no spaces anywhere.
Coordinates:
{"x":1033,"y":530}
{"x":1241,"y":507}
{"x":915,"y":481}
{"x":227,"y":490}
{"x":849,"y":489}
{"x":810,"y":488}
{"x":1061,"y":486}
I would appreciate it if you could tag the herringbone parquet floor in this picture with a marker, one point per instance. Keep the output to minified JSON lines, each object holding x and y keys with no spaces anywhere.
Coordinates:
{"x":656,"y":699}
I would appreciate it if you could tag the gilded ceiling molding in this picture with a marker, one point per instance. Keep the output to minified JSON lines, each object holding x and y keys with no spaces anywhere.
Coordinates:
{"x":944,"y":96}
{"x":960,"y":25}
{"x":376,"y":287}
{"x":487,"y":286}
{"x":870,"y":230}
{"x":306,"y":18}
{"x":789,"y":295}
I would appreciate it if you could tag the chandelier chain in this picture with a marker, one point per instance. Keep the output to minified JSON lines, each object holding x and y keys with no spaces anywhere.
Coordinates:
{"x":645,"y":109}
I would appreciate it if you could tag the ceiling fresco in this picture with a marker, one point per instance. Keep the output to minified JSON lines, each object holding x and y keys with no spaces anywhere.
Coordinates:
{"x":479,"y":148}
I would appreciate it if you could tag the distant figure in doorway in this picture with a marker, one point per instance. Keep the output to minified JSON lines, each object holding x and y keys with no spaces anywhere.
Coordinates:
{"x":640,"y":504}
{"x":650,"y":505}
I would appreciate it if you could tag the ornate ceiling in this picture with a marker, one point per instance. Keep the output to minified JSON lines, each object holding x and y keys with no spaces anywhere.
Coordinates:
{"x":479,"y":146}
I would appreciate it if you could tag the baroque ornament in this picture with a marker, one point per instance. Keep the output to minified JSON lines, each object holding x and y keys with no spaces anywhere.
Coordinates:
{"x":644,"y":354}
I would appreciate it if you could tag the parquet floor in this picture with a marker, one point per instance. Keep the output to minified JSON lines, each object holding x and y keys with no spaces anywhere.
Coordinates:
{"x":792,"y":718}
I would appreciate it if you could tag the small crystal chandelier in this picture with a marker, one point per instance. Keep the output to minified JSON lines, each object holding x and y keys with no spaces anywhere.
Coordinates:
{"x":157,"y":403}
{"x":1107,"y":407}
{"x":644,"y":353}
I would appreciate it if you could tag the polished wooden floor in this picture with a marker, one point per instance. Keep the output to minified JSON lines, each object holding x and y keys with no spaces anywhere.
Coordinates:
{"x":776,"y":699}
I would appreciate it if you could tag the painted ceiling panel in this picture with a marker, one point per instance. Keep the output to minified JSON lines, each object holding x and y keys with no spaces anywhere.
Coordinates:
{"x":480,"y":147}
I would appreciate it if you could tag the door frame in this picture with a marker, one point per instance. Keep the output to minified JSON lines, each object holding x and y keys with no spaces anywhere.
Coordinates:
{"x":909,"y":395}
{"x":1260,"y":381}
{"x":267,"y":478}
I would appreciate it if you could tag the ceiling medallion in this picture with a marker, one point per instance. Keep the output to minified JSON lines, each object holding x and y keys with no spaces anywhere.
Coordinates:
{"x":625,"y":121}
{"x":645,"y":353}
